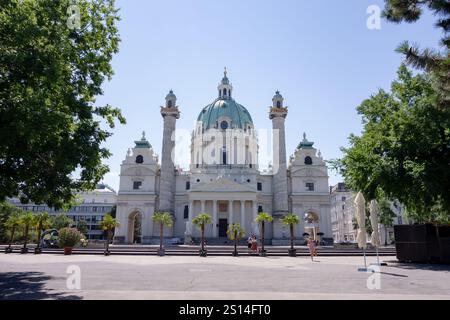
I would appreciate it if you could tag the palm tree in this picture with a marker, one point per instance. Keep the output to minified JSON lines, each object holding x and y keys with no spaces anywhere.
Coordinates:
{"x":26,"y":220}
{"x":235,"y":232}
{"x":12,"y":224}
{"x":201,"y":221}
{"x":164,"y":219}
{"x":262,"y":218}
{"x":291,"y":220}
{"x":108,"y":224}
{"x":41,"y":221}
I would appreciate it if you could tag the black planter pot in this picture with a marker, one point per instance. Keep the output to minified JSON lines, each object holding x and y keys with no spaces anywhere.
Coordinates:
{"x":161,"y":252}
{"x":107,"y":253}
{"x":292,"y":252}
{"x":203,"y":253}
{"x":24,"y":250}
{"x":235,"y":253}
{"x":262,"y":253}
{"x":8,"y":250}
{"x":37,"y":250}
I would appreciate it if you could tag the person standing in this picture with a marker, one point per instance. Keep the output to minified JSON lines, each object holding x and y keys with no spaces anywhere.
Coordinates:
{"x":249,"y":244}
{"x":312,"y":248}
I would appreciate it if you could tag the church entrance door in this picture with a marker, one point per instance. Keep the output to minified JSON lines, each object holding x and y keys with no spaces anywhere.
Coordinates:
{"x":223,"y":226}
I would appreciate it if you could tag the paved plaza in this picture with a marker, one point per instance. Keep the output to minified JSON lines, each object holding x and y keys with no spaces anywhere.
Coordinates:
{"x":228,"y":278}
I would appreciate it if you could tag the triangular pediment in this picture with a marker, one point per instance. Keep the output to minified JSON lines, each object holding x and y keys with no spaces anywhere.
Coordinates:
{"x":221,"y":185}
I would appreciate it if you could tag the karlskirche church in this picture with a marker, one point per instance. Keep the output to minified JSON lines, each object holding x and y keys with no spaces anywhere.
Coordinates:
{"x":224,"y":179}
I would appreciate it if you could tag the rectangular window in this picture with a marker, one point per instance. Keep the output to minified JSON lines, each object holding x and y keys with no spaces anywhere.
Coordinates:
{"x":309,"y":186}
{"x":259,"y":186}
{"x":137,"y":185}
{"x":260,"y":209}
{"x":188,"y":185}
{"x":344,"y":198}
{"x":186,"y":212}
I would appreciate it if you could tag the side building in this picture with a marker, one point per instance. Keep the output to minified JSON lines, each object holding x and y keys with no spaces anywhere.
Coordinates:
{"x":343,"y":216}
{"x":92,"y":207}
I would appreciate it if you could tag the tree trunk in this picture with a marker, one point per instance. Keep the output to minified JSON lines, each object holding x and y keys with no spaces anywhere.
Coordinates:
{"x":161,"y":230}
{"x":26,"y":238}
{"x":262,"y":236}
{"x":203,"y":236}
{"x":108,"y":240}
{"x":39,"y":236}
{"x":385,"y":235}
{"x":292,"y":236}
{"x":235,"y":241}
{"x":13,"y":230}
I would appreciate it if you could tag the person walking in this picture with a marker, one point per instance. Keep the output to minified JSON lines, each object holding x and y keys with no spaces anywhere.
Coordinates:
{"x":254,"y":244}
{"x":312,"y":248}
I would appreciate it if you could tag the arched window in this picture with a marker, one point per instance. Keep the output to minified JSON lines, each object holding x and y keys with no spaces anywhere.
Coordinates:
{"x":224,"y":125}
{"x":169,"y":104}
{"x":224,"y":92}
{"x":139,"y":159}
{"x":308,"y":161}
{"x":278,"y":104}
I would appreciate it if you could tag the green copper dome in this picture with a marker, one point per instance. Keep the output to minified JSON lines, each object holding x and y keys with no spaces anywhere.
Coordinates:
{"x":228,"y":110}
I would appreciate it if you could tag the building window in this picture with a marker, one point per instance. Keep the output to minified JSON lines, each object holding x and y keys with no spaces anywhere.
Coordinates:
{"x":260,"y":209}
{"x":278,"y":104}
{"x":186,"y":212}
{"x":224,"y":125}
{"x":224,"y":92}
{"x":259,"y":186}
{"x":188,"y":185}
{"x":309,"y":186}
{"x":169,"y":104}
{"x":139,"y":159}
{"x":308,"y":161}
{"x":137,"y":185}
{"x":344,"y":198}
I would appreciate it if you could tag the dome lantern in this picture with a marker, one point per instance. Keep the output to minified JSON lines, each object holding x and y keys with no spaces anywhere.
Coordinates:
{"x":225,"y":88}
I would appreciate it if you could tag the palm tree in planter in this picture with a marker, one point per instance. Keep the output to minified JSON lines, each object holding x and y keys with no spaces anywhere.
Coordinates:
{"x":13,"y":223}
{"x":235,"y":232}
{"x":262,"y":218}
{"x":201,"y":221}
{"x":291,"y":220}
{"x":108,"y":224}
{"x":163,"y":219}
{"x":42,"y":222}
{"x":26,"y":221}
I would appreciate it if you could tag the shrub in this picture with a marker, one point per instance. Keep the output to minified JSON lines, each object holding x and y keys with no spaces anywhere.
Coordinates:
{"x":69,"y":237}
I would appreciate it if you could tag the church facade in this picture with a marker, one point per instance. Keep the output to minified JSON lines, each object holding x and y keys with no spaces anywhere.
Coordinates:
{"x":224,"y":179}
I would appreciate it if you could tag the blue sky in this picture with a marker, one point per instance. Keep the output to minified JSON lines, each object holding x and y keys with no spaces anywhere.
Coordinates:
{"x":319,"y":54}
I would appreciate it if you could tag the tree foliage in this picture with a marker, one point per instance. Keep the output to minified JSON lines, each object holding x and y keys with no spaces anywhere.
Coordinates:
{"x":430,"y":60}
{"x":404,"y":150}
{"x":50,"y":76}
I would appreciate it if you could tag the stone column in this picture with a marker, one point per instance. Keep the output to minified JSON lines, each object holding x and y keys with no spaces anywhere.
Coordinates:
{"x":203,"y":206}
{"x":278,"y":115}
{"x":230,"y":212}
{"x":243,"y":213}
{"x":255,"y":213}
{"x":191,"y":210}
{"x":170,"y":114}
{"x":215,"y":235}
